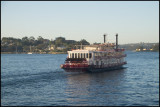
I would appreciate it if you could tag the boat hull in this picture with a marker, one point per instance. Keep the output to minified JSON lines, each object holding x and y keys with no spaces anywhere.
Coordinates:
{"x":93,"y":69}
{"x":105,"y":69}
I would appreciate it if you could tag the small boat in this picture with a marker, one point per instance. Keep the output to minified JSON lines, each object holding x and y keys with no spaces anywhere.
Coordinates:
{"x":30,"y":51}
{"x":95,"y":58}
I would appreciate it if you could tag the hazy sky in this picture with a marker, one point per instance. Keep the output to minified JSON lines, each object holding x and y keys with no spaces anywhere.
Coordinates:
{"x":134,"y":21}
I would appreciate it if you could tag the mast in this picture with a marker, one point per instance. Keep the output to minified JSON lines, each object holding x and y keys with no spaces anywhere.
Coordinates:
{"x":30,"y":48}
{"x":16,"y":49}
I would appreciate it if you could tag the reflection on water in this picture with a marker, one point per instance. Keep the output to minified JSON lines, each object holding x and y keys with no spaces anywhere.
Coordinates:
{"x":78,"y":87}
{"x":43,"y":83}
{"x":83,"y":87}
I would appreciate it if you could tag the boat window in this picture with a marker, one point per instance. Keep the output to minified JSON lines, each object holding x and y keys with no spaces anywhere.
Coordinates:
{"x":101,"y":62}
{"x":72,"y":55}
{"x":75,"y":55}
{"x":96,"y":62}
{"x":81,"y":55}
{"x":87,"y":55}
{"x":90,"y":55}
{"x":78,"y":55}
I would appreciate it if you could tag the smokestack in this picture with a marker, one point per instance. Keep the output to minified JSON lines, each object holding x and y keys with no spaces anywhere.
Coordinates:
{"x":117,"y":41}
{"x":104,"y":38}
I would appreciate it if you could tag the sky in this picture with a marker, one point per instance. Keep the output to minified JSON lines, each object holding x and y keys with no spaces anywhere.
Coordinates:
{"x":134,"y":21}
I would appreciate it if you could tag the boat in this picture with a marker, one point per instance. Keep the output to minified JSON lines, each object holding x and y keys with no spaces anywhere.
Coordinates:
{"x":30,"y":51}
{"x":95,"y":58}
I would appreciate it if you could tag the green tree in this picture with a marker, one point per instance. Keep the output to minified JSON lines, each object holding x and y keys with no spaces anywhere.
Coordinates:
{"x":31,"y":40}
{"x":84,"y":42}
{"x":39,"y":40}
{"x":41,"y":46}
{"x":26,"y":48}
{"x":25,"y":41}
{"x":59,"y":41}
{"x":156,"y":47}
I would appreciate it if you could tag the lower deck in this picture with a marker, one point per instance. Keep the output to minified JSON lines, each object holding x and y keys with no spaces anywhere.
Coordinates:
{"x":92,"y":68}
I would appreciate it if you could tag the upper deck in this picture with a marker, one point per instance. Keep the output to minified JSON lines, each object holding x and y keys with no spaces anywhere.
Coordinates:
{"x":87,"y":51}
{"x":98,"y":47}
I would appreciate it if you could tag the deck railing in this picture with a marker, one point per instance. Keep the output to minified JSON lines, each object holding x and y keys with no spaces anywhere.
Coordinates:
{"x":107,"y":57}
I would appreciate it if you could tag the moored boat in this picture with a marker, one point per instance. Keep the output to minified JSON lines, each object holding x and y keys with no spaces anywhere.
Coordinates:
{"x":95,"y":58}
{"x":30,"y":51}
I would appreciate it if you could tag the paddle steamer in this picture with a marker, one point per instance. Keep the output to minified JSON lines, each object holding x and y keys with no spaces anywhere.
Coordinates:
{"x":95,"y":58}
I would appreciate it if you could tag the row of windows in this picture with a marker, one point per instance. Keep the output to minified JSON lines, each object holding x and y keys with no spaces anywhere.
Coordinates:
{"x":109,"y":61}
{"x":81,"y":55}
{"x":108,"y":54}
{"x":103,"y":54}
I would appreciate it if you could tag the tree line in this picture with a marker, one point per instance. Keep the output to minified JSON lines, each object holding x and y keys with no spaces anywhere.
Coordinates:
{"x":27,"y":44}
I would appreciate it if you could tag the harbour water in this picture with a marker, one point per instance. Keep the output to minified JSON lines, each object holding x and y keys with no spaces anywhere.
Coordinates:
{"x":37,"y":80}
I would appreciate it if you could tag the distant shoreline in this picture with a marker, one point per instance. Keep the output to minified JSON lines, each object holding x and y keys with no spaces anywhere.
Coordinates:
{"x":58,"y":52}
{"x":33,"y":53}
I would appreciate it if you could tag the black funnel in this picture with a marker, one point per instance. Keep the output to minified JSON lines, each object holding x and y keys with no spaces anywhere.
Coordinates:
{"x":104,"y":38}
{"x":116,"y":41}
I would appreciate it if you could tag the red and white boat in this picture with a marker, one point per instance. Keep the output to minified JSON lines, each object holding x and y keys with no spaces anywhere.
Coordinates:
{"x":95,"y":58}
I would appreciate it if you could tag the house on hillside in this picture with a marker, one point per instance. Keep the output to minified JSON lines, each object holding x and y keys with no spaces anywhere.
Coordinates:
{"x":61,"y":48}
{"x":51,"y":47}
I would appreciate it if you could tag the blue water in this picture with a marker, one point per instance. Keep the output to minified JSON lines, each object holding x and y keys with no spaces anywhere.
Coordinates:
{"x":37,"y":80}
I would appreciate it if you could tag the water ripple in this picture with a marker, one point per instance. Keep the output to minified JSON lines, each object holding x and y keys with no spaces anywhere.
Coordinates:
{"x":37,"y":80}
